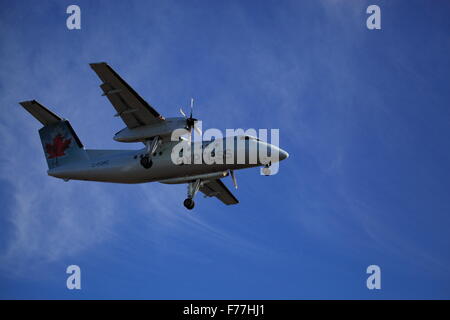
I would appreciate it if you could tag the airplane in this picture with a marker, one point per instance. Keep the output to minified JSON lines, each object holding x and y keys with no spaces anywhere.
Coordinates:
{"x":67,"y":158}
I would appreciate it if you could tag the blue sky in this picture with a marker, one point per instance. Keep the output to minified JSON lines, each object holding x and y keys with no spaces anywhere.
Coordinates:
{"x":363,"y":114}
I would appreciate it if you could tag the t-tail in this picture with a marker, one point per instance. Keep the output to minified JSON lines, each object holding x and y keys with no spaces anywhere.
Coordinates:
{"x":61,"y":145}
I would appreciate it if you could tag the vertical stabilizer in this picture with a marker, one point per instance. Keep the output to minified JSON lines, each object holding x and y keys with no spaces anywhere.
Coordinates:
{"x":60,"y":142}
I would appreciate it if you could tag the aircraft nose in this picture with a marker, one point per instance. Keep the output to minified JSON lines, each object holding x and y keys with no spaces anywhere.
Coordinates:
{"x":283,"y":154}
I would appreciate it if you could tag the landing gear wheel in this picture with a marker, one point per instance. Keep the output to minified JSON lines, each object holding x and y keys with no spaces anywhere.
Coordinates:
{"x":189,"y":203}
{"x":266,"y":171}
{"x":146,"y":162}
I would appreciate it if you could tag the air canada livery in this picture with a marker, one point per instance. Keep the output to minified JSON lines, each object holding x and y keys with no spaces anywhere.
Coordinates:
{"x":169,"y":155}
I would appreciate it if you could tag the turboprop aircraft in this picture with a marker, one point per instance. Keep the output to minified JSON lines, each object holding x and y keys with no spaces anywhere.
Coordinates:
{"x":167,"y":157}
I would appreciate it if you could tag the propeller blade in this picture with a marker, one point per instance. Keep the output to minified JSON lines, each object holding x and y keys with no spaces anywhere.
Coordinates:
{"x":233,"y":177}
{"x":190,"y":122}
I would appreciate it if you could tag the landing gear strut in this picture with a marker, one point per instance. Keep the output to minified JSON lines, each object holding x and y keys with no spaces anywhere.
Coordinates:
{"x":193,"y":188}
{"x":151,"y":146}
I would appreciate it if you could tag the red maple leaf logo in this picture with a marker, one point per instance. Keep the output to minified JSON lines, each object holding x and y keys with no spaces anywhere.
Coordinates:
{"x":57,"y":148}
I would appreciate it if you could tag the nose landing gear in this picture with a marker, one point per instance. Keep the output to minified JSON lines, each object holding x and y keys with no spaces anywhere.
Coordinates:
{"x":266,"y":170}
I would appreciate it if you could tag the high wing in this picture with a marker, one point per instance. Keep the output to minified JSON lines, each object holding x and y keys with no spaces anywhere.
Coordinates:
{"x":133,"y":110}
{"x":216,"y":188}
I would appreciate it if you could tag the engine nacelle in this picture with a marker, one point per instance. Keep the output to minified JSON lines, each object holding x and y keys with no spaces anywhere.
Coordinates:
{"x":140,"y":134}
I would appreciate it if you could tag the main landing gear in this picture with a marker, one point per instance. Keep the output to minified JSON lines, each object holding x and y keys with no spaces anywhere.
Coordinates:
{"x":189,"y":203}
{"x":151,"y":146}
{"x":193,"y":188}
{"x":146,"y":162}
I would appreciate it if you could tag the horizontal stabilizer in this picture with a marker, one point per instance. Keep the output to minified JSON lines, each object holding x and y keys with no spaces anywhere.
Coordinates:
{"x":45,"y":116}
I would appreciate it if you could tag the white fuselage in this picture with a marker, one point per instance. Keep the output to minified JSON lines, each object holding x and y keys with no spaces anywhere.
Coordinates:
{"x":123,"y":166}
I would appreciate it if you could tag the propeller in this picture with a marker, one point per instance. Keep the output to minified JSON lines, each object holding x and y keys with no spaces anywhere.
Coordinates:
{"x":233,"y":177}
{"x":190,"y":122}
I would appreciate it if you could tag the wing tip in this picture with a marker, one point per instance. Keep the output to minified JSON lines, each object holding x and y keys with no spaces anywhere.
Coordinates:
{"x":27,"y":102}
{"x":94,"y":64}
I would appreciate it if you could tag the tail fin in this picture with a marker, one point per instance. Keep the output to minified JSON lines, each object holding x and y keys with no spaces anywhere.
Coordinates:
{"x":60,"y":142}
